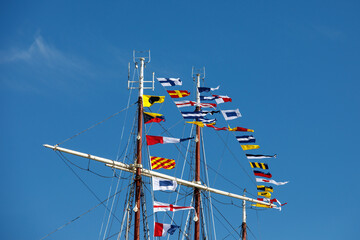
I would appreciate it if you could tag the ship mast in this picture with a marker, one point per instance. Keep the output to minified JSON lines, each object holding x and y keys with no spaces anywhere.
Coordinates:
{"x":197,"y":165}
{"x":139,"y":171}
{"x":138,"y":153}
{"x":243,"y":225}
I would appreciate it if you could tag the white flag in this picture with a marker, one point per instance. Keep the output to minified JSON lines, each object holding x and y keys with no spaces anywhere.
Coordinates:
{"x":270,"y":181}
{"x":231,"y":114}
{"x":163,"y":184}
{"x":163,"y":207}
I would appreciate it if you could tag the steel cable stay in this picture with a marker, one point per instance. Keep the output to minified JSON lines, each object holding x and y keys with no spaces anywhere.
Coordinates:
{"x":84,"y":213}
{"x":237,"y":160}
{"x":117,"y":184}
{"x":96,"y":124}
{"x":147,"y":216}
{"x":221,"y":159}
{"x":207,"y":180}
{"x":62,"y":156}
{"x":102,"y":222}
{"x":87,"y":186}
{"x":182,"y":172}
{"x":234,"y":230}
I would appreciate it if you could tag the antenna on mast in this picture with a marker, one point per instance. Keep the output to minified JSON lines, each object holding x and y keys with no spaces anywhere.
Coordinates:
{"x":138,"y":58}
{"x":198,"y":71}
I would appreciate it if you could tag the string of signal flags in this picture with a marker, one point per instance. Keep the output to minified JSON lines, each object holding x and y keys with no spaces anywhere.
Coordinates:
{"x":200,"y":119}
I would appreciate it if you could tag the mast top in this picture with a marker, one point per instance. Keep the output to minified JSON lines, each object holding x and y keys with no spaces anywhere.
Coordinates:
{"x":143,"y":57}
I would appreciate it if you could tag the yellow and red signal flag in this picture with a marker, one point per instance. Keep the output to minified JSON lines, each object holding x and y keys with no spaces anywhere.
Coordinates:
{"x":153,"y":117}
{"x":200,"y":124}
{"x":158,"y":162}
{"x":249,"y":147}
{"x":216,"y":128}
{"x":178,"y":93}
{"x":260,"y":205}
{"x":240,"y":129}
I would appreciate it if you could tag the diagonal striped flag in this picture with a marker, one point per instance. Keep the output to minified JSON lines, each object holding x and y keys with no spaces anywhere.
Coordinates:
{"x":158,"y":162}
{"x":259,"y":165}
{"x":178,"y":93}
{"x":245,"y":139}
{"x":168,"y":82}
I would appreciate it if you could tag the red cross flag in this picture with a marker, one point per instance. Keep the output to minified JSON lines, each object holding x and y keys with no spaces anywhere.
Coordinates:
{"x":163,"y":207}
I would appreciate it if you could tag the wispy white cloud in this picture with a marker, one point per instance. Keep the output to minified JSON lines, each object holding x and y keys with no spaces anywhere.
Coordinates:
{"x":42,"y":63}
{"x":40,"y":52}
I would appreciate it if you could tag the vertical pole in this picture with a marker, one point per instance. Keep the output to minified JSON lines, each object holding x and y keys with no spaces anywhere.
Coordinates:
{"x":138,"y":154}
{"x":243,"y":226}
{"x":197,"y":166}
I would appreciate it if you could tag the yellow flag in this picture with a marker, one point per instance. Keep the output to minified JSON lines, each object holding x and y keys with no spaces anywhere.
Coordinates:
{"x":153,"y":114}
{"x":260,"y":205}
{"x":200,"y":124}
{"x":265,"y":194}
{"x":149,"y":100}
{"x":249,"y":147}
{"x":265,"y":188}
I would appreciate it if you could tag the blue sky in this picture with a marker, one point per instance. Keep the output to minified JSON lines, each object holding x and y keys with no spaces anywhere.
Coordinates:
{"x":292,"y":68}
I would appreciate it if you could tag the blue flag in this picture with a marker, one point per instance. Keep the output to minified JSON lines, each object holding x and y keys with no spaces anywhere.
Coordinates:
{"x":192,"y":115}
{"x":245,"y":139}
{"x":207,"y":89}
{"x":168,"y":82}
{"x":163,"y":184}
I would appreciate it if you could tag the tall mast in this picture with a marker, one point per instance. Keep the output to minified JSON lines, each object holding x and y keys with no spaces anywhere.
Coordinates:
{"x":138,"y":153}
{"x":243,"y":225}
{"x":197,"y":165}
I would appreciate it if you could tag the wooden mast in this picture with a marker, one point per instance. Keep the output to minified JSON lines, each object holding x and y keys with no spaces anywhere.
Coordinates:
{"x":243,"y":225}
{"x":138,"y":154}
{"x":197,"y":166}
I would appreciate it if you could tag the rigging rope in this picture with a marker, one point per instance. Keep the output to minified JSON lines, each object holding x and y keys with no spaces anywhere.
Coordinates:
{"x":73,"y":220}
{"x":107,"y":202}
{"x":94,"y":125}
{"x":87,"y":186}
{"x":224,"y":219}
{"x":117,"y":156}
{"x":207,"y":179}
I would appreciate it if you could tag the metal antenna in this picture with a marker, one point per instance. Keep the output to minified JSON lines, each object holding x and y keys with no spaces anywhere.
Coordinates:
{"x":141,"y":57}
